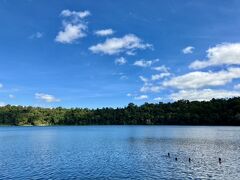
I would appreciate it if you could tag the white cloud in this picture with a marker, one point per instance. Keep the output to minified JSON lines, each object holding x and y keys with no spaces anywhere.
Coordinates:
{"x":142,"y":63}
{"x":123,"y":77}
{"x":2,"y":104}
{"x":237,"y":86}
{"x":73,"y":28}
{"x":76,"y":14}
{"x":160,"y":76}
{"x":125,"y":44}
{"x":71,"y":33}
{"x":46,"y":97}
{"x":150,"y":88}
{"x":129,"y":94}
{"x":1,"y":85}
{"x":145,"y":80}
{"x":131,"y":53}
{"x":203,"y":95}
{"x":36,"y":35}
{"x":188,"y":50}
{"x":141,"y":97}
{"x":104,"y":32}
{"x":198,"y":79}
{"x":162,"y":68}
{"x":120,"y":61}
{"x":157,"y":99}
{"x":222,"y":54}
{"x":11,"y":96}
{"x":145,"y":63}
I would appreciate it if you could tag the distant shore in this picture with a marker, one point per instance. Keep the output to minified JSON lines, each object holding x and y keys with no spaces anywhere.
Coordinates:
{"x":215,"y":112}
{"x":44,"y":125}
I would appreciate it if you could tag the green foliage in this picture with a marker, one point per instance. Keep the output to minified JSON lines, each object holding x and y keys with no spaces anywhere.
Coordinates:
{"x":214,"y":112}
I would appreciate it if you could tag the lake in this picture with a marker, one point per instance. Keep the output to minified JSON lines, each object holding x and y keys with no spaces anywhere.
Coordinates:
{"x":119,"y":152}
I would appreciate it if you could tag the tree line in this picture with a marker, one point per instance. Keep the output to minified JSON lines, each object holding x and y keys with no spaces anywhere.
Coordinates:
{"x":183,"y":112}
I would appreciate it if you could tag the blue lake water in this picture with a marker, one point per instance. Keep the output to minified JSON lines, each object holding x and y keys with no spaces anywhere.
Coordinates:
{"x":119,"y":152}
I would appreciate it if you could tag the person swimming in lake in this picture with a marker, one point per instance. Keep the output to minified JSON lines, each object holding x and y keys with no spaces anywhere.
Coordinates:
{"x":219,"y":160}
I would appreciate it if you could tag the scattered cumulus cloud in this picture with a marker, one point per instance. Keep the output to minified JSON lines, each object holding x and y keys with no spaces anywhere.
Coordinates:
{"x":120,"y":61}
{"x":141,"y":97}
{"x":11,"y":96}
{"x":143,"y":63}
{"x":222,"y":54}
{"x":151,"y":88}
{"x":203,"y":95}
{"x":75,"y":14}
{"x":74,"y":26}
{"x":157,"y":99}
{"x":123,"y":77}
{"x":162,"y":68}
{"x":145,"y":80}
{"x":131,"y":53}
{"x":188,"y":50}
{"x":126,"y":44}
{"x":198,"y":79}
{"x":151,"y":85}
{"x":71,"y":33}
{"x":160,"y":76}
{"x":148,"y":86}
{"x":129,"y":94}
{"x":1,"y":85}
{"x":36,"y":35}
{"x":237,"y":86}
{"x":2,"y":104}
{"x":196,"y":85}
{"x":104,"y":32}
{"x":46,"y":97}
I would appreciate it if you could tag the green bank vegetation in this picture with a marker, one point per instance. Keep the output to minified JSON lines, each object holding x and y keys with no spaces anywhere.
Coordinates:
{"x":214,"y":112}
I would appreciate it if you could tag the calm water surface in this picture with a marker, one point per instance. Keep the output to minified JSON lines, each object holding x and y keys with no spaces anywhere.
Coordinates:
{"x":119,"y":152}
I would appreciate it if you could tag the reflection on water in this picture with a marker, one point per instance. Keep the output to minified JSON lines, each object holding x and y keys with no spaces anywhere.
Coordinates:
{"x":119,"y":152}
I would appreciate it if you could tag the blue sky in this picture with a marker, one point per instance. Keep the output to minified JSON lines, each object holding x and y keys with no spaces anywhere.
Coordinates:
{"x":84,"y":53}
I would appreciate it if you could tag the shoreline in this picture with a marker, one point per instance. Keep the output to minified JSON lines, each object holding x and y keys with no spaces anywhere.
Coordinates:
{"x":43,"y":125}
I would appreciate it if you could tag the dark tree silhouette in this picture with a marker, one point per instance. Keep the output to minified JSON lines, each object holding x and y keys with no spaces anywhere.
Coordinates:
{"x":183,"y":112}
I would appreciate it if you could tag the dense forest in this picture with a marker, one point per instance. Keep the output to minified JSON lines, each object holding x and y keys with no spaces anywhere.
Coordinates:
{"x":214,"y":112}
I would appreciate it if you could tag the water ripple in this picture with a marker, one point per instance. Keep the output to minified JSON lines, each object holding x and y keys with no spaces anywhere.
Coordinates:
{"x":119,"y":152}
